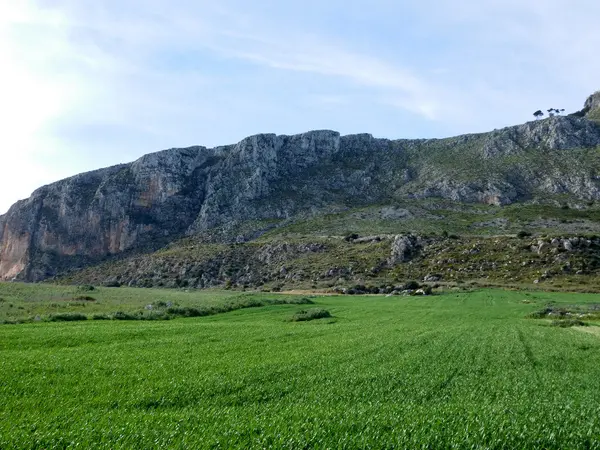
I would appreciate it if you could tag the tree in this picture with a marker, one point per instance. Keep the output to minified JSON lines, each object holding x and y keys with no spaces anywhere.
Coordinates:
{"x":554,"y":111}
{"x":538,"y":114}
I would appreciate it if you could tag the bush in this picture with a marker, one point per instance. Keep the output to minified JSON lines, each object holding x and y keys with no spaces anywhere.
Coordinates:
{"x":67,"y":317}
{"x":100,"y":317}
{"x":86,"y":288}
{"x":295,"y":301}
{"x":188,"y":311}
{"x":568,"y":323}
{"x":112,"y":282}
{"x":547,"y":311}
{"x":85,"y":298}
{"x":277,"y":288}
{"x":311,"y":314}
{"x":121,"y":315}
{"x":155,"y":315}
{"x":411,"y":286}
{"x":523,"y":234}
{"x":161,"y":304}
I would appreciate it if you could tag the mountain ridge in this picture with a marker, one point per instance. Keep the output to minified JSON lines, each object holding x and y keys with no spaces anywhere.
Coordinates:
{"x":267,"y":180}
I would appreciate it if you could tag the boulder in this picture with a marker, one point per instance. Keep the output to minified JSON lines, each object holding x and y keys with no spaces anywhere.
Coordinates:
{"x":404,"y":248}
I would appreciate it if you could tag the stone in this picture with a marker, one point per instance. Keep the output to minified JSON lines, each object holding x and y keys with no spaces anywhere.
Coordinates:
{"x":431,"y":278}
{"x":544,"y":247}
{"x":567,"y":245}
{"x":367,"y":239}
{"x":404,"y":248}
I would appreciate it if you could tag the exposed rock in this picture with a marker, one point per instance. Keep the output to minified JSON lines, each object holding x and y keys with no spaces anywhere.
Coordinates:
{"x":234,"y":193}
{"x":367,"y":239}
{"x":591,"y":107}
{"x":404,"y":248}
{"x":395,"y":213}
{"x":555,"y":133}
{"x":431,"y":278}
{"x":543,"y":247}
{"x":568,"y":245}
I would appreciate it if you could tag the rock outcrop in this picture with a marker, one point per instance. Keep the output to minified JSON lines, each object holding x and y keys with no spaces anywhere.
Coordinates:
{"x":233,"y":192}
{"x":404,"y":248}
{"x":591,"y":107}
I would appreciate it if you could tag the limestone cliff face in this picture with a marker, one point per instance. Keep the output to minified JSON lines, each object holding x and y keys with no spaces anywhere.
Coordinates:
{"x":591,"y":108}
{"x":269,"y":178}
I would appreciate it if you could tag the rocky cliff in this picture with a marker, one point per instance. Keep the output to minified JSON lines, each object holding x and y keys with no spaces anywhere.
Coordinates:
{"x":591,"y":108}
{"x":266,"y":180}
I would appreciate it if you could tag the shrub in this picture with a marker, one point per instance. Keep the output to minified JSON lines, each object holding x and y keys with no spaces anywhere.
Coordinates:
{"x":245,"y":303}
{"x":411,"y":286}
{"x":188,"y":311}
{"x":121,"y":315}
{"x":66,"y":317}
{"x":100,"y":317}
{"x":85,"y":298}
{"x":523,"y":234}
{"x":296,"y":301}
{"x":311,"y":314}
{"x":547,"y":311}
{"x":160,"y":304}
{"x":155,"y":315}
{"x":86,"y":288}
{"x":568,"y":323}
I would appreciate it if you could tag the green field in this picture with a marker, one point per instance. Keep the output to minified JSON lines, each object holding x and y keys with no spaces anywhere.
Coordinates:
{"x":456,"y":370}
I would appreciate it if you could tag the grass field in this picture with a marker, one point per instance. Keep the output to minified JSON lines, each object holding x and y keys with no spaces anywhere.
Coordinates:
{"x":44,"y":302}
{"x":457,"y":370}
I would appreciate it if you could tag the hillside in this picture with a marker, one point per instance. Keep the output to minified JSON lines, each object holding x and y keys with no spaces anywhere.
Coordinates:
{"x":271,"y":201}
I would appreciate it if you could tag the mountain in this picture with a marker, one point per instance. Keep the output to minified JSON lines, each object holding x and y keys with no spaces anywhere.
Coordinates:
{"x":266,"y":184}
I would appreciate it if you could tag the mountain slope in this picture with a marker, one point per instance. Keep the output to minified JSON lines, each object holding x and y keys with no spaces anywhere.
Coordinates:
{"x":237,"y":192}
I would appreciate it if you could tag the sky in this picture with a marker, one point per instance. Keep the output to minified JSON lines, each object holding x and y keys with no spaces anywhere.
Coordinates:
{"x":87,"y":84}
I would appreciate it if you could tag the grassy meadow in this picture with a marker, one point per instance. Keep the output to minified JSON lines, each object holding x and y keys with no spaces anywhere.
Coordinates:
{"x":455,"y":370}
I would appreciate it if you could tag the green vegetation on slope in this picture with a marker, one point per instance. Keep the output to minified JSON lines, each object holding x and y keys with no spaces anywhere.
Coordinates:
{"x":459,"y":370}
{"x":295,"y":261}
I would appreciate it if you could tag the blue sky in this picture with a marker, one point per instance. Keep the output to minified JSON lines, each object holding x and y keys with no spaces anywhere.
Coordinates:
{"x":86,"y":84}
